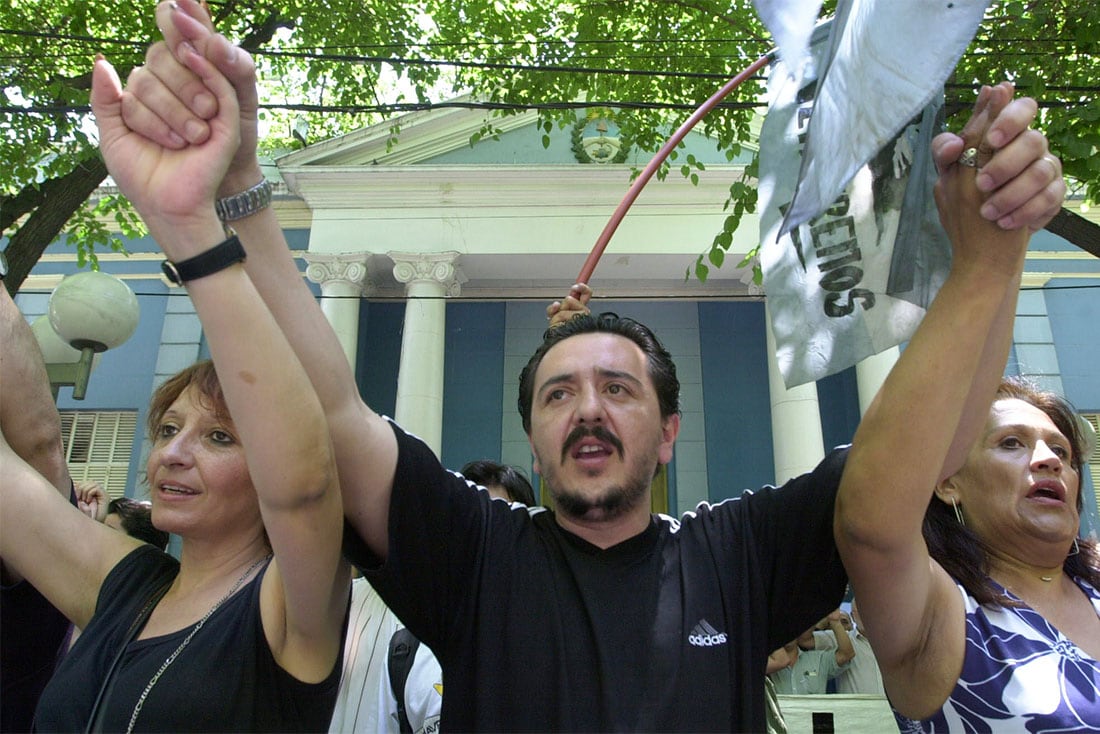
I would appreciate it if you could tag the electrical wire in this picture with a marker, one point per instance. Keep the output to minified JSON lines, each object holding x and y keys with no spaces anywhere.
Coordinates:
{"x":618,"y":296}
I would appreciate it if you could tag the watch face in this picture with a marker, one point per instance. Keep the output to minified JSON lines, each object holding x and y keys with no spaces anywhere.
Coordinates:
{"x":3,"y":265}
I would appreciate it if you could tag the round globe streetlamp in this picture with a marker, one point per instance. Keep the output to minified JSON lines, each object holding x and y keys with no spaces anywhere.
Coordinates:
{"x":90,"y":312}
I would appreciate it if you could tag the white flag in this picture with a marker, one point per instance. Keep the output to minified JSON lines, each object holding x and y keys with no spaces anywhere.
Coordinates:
{"x":856,"y":279}
{"x":886,"y":60}
{"x":790,"y":22}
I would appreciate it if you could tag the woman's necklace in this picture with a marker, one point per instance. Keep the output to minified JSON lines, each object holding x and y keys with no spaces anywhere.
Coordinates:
{"x":187,"y":640}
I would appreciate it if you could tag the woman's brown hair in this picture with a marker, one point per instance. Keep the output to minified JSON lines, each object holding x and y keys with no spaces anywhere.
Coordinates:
{"x":202,"y":376}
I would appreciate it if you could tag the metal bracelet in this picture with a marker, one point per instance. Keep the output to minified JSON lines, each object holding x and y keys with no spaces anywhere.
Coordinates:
{"x":244,"y":204}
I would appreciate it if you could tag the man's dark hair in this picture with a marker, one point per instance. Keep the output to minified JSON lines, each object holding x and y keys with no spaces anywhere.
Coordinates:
{"x":662,"y":370}
{"x":960,"y":551}
{"x":486,"y":473}
{"x":136,"y":519}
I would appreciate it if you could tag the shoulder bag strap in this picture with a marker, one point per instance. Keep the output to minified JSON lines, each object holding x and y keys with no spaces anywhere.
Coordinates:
{"x":403,"y":647}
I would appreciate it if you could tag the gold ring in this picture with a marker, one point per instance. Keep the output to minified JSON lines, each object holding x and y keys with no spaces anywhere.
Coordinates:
{"x":969,"y":158}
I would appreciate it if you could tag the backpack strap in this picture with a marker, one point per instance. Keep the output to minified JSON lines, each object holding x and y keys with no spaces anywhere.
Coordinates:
{"x":403,"y":646}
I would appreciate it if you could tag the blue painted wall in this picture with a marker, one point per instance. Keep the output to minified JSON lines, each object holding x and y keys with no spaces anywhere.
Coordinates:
{"x":738,"y":412}
{"x":379,"y":357}
{"x":473,"y":373}
{"x":738,"y":407}
{"x":838,"y":401}
{"x":1074,"y":311}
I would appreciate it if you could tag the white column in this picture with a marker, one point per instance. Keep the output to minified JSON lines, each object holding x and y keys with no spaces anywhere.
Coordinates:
{"x":796,"y":419}
{"x":342,"y":279}
{"x":430,"y":278}
{"x":871,"y":373}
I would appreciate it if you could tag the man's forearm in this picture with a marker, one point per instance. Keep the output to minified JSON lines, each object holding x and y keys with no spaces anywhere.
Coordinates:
{"x":28,"y":414}
{"x":845,"y":650}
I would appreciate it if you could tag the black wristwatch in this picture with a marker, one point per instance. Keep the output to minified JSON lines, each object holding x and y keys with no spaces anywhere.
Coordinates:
{"x":218,"y":257}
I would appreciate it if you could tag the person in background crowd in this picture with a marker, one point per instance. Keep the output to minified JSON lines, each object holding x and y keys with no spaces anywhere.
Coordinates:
{"x":366,"y":702}
{"x":862,"y":674}
{"x":130,"y":516}
{"x":91,"y":498}
{"x":501,"y":480}
{"x":136,"y":520}
{"x":809,"y":669}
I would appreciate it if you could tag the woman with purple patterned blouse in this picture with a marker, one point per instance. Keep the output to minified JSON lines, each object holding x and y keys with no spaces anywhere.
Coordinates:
{"x":958,"y":516}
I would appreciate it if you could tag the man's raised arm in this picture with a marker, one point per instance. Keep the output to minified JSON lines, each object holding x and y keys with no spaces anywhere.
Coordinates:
{"x":28,"y":413}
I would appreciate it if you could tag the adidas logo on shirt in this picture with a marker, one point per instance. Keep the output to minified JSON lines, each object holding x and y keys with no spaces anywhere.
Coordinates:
{"x":703,"y":635}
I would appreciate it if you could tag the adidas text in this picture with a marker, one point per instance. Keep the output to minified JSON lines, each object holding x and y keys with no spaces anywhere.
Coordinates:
{"x":707,"y":640}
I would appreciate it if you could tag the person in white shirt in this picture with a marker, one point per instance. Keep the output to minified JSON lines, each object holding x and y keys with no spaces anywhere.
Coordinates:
{"x":862,"y":674}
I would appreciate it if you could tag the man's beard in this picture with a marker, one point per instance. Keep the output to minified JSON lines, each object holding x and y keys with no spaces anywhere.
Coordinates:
{"x":613,"y":502}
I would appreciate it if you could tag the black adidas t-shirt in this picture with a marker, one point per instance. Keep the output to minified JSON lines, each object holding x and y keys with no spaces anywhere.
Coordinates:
{"x":538,"y":630}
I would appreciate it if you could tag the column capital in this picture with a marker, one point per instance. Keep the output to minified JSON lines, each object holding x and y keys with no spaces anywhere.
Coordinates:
{"x":345,"y":268}
{"x":438,"y":268}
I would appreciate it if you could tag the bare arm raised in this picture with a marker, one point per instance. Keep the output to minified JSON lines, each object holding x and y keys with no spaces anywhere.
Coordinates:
{"x":363,"y":443}
{"x":36,"y":481}
{"x":936,"y":398}
{"x":845,"y":650}
{"x":30,"y":423}
{"x":278,"y":416}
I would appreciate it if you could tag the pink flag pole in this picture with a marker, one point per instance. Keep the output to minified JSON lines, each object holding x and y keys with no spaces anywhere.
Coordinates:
{"x":651,"y":168}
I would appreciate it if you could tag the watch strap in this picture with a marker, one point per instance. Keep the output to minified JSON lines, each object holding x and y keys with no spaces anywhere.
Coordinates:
{"x":244,"y":204}
{"x":218,"y":257}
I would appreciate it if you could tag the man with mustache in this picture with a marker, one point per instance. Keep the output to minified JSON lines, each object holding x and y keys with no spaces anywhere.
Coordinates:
{"x":599,"y":615}
{"x":621,"y":618}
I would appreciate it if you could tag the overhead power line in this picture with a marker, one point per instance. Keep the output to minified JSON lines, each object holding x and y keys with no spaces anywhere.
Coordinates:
{"x":329,"y":54}
{"x":401,"y":107}
{"x":619,"y":296}
{"x":420,"y":106}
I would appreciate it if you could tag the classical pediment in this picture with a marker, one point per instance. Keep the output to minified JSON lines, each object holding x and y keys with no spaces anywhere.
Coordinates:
{"x":417,"y":137}
{"x":522,"y":211}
